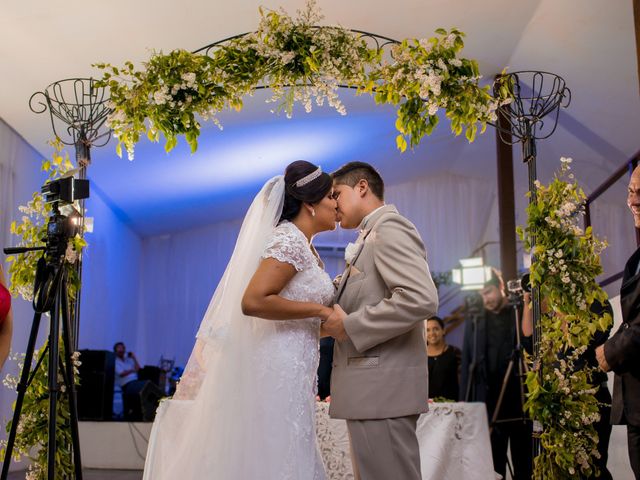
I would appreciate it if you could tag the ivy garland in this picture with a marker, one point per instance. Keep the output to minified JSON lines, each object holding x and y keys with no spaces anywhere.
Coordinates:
{"x":304,"y":63}
{"x":567,"y":261}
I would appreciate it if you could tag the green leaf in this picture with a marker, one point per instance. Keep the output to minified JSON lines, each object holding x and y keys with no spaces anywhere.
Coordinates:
{"x":401,"y":143}
{"x":172,"y":141}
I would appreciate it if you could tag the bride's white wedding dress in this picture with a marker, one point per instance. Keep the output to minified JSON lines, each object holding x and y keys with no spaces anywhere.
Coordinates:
{"x":245,"y":408}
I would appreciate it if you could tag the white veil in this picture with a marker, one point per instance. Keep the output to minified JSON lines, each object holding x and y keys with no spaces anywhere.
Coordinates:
{"x":210,"y":425}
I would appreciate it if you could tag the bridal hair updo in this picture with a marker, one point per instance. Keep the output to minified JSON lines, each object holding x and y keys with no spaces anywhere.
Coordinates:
{"x":312,"y":192}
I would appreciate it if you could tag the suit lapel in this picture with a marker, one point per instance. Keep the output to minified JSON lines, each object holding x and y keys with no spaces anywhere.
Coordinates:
{"x":630,"y":268}
{"x":347,"y":270}
{"x":368,"y":226}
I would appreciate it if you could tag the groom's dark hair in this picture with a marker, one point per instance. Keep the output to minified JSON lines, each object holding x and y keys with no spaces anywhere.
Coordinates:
{"x":351,"y":173}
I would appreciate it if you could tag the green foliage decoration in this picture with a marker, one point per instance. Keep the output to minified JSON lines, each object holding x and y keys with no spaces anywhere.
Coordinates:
{"x":566,"y":264}
{"x":302,"y":63}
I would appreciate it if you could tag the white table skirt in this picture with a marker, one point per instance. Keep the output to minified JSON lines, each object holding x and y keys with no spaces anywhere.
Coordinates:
{"x":453,"y":437}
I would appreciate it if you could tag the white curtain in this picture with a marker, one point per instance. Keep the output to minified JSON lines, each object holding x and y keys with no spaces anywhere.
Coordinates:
{"x":451,"y":213}
{"x":613,"y":222}
{"x":179,"y":274}
{"x":8,"y":154}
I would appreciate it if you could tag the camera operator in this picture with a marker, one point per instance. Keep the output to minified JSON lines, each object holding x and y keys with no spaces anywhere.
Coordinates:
{"x":490,"y":341}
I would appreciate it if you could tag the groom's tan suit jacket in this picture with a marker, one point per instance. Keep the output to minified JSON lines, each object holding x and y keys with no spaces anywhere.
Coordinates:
{"x":387,"y":292}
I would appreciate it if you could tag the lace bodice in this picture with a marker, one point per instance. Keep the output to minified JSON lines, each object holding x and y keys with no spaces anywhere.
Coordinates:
{"x":311,"y":284}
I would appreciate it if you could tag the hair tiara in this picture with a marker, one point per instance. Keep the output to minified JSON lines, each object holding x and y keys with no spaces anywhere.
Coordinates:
{"x":309,"y":178}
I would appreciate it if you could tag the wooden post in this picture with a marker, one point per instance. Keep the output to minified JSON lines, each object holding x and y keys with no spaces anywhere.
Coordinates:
{"x":506,"y":203}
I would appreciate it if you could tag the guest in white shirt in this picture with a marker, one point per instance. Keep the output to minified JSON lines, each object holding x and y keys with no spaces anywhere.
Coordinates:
{"x":127,"y":366}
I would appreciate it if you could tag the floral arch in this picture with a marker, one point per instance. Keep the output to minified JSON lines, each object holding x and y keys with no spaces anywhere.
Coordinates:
{"x":304,"y":63}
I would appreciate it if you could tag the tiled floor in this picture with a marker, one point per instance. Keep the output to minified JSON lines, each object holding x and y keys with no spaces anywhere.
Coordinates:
{"x":96,"y":475}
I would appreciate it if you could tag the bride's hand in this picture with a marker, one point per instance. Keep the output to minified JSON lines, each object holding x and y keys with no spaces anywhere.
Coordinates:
{"x":325,"y":312}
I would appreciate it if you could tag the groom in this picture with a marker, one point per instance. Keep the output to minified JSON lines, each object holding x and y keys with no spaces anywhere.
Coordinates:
{"x":379,"y":380}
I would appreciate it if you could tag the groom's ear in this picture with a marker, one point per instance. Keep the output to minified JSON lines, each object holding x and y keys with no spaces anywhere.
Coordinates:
{"x":362,"y":187}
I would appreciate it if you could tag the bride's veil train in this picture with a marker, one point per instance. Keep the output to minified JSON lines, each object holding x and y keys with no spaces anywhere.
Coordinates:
{"x":217,"y":425}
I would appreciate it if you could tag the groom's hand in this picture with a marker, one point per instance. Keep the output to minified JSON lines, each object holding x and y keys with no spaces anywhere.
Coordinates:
{"x":334,"y":325}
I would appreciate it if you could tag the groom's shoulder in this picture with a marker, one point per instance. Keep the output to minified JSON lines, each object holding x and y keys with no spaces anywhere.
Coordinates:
{"x":394,"y":219}
{"x":393,"y":224}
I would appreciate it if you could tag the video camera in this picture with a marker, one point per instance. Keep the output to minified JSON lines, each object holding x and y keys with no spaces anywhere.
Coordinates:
{"x":65,"y":220}
{"x":518,"y":287}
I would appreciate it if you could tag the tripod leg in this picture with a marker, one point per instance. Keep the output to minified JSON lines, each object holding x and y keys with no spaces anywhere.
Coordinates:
{"x":503,"y":389}
{"x":521,"y":369}
{"x":54,"y":356}
{"x":22,"y":388}
{"x":71,"y":387}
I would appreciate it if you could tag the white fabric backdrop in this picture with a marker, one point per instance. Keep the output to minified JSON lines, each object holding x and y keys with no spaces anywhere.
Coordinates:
{"x":179,"y":274}
{"x":111,"y":272}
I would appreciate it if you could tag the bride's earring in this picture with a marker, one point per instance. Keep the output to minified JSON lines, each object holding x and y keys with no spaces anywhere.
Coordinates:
{"x":313,"y":212}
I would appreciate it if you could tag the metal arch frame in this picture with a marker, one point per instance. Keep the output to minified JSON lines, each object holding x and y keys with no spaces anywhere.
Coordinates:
{"x":380,"y":40}
{"x":84,"y":113}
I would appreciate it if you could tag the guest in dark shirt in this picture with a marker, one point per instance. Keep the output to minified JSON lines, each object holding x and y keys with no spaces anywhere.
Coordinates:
{"x":444,"y":362}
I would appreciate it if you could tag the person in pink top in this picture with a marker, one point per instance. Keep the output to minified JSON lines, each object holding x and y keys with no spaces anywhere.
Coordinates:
{"x":6,"y":319}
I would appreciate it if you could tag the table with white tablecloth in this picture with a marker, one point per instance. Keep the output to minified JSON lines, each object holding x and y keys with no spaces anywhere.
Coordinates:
{"x":453,"y":437}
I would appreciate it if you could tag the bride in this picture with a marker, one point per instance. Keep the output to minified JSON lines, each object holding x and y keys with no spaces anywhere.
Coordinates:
{"x":244,"y":408}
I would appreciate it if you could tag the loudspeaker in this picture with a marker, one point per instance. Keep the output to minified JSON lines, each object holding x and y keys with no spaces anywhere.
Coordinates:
{"x":95,"y":392}
{"x":141,"y":398}
{"x":151,"y":373}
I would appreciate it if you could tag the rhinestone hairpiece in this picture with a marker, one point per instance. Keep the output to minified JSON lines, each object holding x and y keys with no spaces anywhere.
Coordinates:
{"x":309,"y":178}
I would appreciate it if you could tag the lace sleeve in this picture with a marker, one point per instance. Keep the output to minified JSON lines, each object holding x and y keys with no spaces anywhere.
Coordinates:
{"x":287,"y":245}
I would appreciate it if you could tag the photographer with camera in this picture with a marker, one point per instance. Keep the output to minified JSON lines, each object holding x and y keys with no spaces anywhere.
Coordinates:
{"x":489,"y":375}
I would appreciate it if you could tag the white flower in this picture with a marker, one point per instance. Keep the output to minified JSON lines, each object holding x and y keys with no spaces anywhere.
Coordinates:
{"x":448,"y":42}
{"x":190,"y":78}
{"x":288,"y":57}
{"x":70,"y":255}
{"x":350,"y":251}
{"x":160,"y":97}
{"x":566,"y":160}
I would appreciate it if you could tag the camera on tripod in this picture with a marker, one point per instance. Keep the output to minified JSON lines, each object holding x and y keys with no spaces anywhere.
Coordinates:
{"x":65,"y":220}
